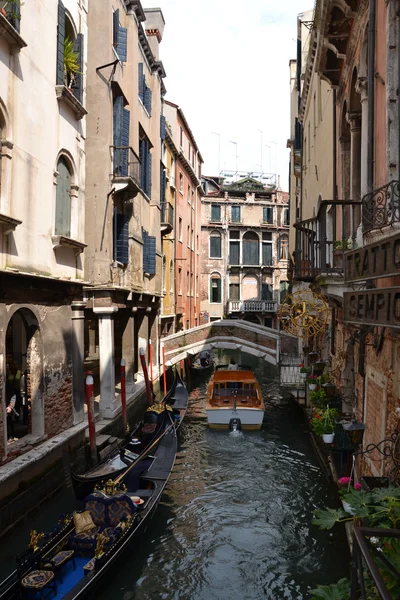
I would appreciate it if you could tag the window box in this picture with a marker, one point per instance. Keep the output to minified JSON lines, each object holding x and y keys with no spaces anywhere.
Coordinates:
{"x":66,"y":96}
{"x":11,"y":35}
{"x":66,"y":242}
{"x":9,"y":224}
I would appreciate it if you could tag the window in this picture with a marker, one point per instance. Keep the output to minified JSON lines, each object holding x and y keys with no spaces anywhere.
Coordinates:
{"x":181,"y":183}
{"x":266,"y":292}
{"x":283,"y":248}
{"x":268,"y":322}
{"x":180,"y":281}
{"x":235,"y":214}
{"x":234,"y":248}
{"x":267,"y":249}
{"x":164,"y":275}
{"x":120,"y":237}
{"x":145,"y":160}
{"x":215,"y":244}
{"x":268,"y":215}
{"x":283,"y":290}
{"x":120,"y":37}
{"x":286,"y":220}
{"x":121,"y":126}
{"x":188,"y":236}
{"x":215,"y":213}
{"x":171,"y":277}
{"x":187,"y":283}
{"x":189,"y":151}
{"x":144,"y":90}
{"x":215,"y":288}
{"x":67,"y":41}
{"x":163,"y":182}
{"x":234,"y":291}
{"x":149,"y":253}
{"x":13,"y":13}
{"x":180,"y":229}
{"x":251,"y":252}
{"x":181,"y":138}
{"x":63,"y":199}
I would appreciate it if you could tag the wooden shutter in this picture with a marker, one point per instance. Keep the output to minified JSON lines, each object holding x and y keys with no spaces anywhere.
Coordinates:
{"x":118,"y":116}
{"x":60,"y":43}
{"x":267,"y":254}
{"x":14,"y":14}
{"x":163,"y":183}
{"x":151,"y":243}
{"x":162,"y":127}
{"x":145,"y":251}
{"x":122,"y":238}
{"x":122,"y":43}
{"x":234,"y":253}
{"x":148,"y":174}
{"x":147,"y":99}
{"x":126,"y":115}
{"x":141,"y":82}
{"x":78,"y":86}
{"x":63,"y":200}
{"x":142,"y":154}
{"x":116,"y":28}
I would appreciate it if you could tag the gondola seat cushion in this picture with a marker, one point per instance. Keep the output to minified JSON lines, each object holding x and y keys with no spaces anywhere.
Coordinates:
{"x":85,"y":541}
{"x":120,"y":508}
{"x":37,"y":579}
{"x":96,"y":504}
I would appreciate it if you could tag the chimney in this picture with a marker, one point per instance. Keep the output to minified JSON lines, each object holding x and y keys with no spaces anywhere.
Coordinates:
{"x":154,"y":27}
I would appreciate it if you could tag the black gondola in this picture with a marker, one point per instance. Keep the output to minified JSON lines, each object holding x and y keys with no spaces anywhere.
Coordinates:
{"x":135,"y":445}
{"x":200,"y":363}
{"x":71,"y":563}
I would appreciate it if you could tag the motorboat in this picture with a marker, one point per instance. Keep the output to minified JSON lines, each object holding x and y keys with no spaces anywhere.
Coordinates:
{"x":234,"y":399}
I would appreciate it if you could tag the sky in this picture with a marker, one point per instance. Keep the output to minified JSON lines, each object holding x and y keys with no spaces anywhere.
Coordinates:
{"x":227,"y":66}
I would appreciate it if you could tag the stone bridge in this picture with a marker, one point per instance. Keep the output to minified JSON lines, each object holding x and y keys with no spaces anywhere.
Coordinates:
{"x":235,"y":334}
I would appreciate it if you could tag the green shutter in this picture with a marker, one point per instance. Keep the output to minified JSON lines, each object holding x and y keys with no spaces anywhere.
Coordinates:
{"x":118,"y":117}
{"x":126,"y":115}
{"x":63,"y":200}
{"x":78,"y":86}
{"x":60,"y":43}
{"x":122,"y":43}
{"x":141,"y":82}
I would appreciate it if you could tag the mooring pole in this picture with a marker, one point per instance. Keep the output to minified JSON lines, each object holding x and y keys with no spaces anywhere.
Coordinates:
{"x":151,"y":362}
{"x":181,"y":369}
{"x":146,"y":377}
{"x":90,"y":411}
{"x":164,"y":369}
{"x":123,"y":395}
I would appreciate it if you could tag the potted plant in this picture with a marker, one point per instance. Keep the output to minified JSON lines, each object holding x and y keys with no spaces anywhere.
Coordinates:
{"x":323,"y":424}
{"x":304,"y":371}
{"x":312,"y":381}
{"x":8,"y":8}
{"x":71,"y":63}
{"x":319,"y":399}
{"x":346,"y":491}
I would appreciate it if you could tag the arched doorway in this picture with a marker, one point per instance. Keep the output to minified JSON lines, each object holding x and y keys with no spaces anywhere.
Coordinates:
{"x":23,"y":375}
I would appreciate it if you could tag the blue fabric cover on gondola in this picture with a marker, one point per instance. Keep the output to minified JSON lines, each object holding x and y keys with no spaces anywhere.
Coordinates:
{"x":107,"y":512}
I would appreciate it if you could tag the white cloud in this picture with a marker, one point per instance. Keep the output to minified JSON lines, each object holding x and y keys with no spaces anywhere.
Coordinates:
{"x":227,"y":65}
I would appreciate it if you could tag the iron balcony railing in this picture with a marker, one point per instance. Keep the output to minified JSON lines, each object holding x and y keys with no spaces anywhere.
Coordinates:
{"x":167,"y":215}
{"x":381,"y":207}
{"x":126,"y":163}
{"x":317,"y":238}
{"x":251,"y":306}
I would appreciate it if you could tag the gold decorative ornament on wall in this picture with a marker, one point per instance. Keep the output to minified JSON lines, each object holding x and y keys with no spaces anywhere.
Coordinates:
{"x":304,"y":313}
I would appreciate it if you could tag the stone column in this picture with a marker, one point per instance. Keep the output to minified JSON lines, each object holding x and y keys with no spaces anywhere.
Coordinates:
{"x":128,"y":351}
{"x":108,"y":404}
{"x":78,"y":357}
{"x":354,"y":119}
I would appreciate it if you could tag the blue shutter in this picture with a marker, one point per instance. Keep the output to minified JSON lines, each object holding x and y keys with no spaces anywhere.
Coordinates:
{"x":60,"y":43}
{"x":78,"y":85}
{"x":122,"y":43}
{"x":162,"y":127}
{"x":116,"y":28}
{"x":145,"y":251}
{"x":163,"y":183}
{"x":147,"y":99}
{"x":151,"y":243}
{"x":141,"y":82}
{"x":148,"y":174}
{"x":122,"y":238}
{"x":142,"y":158}
{"x":118,"y":115}
{"x":126,"y":115}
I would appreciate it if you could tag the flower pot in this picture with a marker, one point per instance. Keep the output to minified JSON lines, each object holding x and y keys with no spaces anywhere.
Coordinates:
{"x":312,"y":386}
{"x":303,"y":375}
{"x":328,"y":437}
{"x":3,"y":11}
{"x":347,"y":508}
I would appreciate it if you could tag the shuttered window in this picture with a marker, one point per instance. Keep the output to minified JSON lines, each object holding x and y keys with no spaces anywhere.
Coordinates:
{"x":120,"y":37}
{"x":77,"y":86}
{"x":234,"y":253}
{"x":234,"y":291}
{"x":60,"y":43}
{"x":121,"y":126}
{"x":145,"y":169}
{"x":251,"y":249}
{"x":162,"y":127}
{"x":267,"y":254}
{"x":268,"y":214}
{"x":63,"y":199}
{"x":283,"y":290}
{"x":215,"y":289}
{"x":75,"y":80}
{"x":215,"y":213}
{"x":266,"y":292}
{"x":215,"y":245}
{"x":13,"y":14}
{"x":121,"y":237}
{"x":163,"y":183}
{"x":235,"y":214}
{"x":144,"y":90}
{"x":149,"y":253}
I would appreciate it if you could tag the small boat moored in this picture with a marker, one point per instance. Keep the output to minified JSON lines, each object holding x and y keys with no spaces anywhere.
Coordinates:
{"x":234,"y":400}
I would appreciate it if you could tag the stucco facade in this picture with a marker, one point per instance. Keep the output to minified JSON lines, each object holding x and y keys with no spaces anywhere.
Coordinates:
{"x":244,"y":250}
{"x":42,"y":215}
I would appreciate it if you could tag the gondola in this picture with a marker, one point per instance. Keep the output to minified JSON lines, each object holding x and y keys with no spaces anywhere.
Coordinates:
{"x":197,"y":367}
{"x":135,"y":444}
{"x":72,"y":563}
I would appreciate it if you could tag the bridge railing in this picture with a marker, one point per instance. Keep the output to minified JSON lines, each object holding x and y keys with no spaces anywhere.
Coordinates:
{"x":251,"y":306}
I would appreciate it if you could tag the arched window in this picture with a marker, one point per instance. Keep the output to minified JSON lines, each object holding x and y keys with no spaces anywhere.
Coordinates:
{"x":283,"y":248}
{"x":69,"y":54}
{"x":63,"y":199}
{"x":251,"y":248}
{"x":215,"y":244}
{"x":215,"y":288}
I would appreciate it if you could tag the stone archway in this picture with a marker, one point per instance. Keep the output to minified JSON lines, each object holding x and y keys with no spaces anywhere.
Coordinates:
{"x":24,"y":355}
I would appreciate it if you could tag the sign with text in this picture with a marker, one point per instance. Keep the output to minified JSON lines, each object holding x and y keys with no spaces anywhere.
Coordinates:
{"x":373,"y":307}
{"x":380,"y":259}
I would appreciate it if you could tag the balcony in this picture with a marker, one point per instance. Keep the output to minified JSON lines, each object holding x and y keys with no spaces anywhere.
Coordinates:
{"x":267,"y":222}
{"x":9,"y":31}
{"x":251,"y":306}
{"x":316,"y":240}
{"x":381,"y":208}
{"x":167,"y":217}
{"x":126,"y":169}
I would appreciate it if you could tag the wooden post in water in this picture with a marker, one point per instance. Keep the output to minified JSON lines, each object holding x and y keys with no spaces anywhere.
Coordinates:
{"x":146,"y":377}
{"x":151,"y":363}
{"x":164,"y":369}
{"x":90,"y":411}
{"x":123,"y":395}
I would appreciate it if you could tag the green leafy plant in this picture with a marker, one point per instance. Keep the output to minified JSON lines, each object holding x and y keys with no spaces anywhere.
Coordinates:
{"x":324,"y":422}
{"x":71,"y":62}
{"x":304,"y":369}
{"x":318,"y":398}
{"x":10,"y":12}
{"x":335,"y":591}
{"x":343,"y":245}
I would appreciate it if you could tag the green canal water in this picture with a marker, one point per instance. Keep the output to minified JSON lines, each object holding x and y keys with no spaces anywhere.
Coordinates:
{"x":235,"y":520}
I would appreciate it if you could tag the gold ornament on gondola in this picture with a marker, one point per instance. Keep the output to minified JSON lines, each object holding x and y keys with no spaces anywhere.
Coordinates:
{"x":304,"y":313}
{"x":35,"y":537}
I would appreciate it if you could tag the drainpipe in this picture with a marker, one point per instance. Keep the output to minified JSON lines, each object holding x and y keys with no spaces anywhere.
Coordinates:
{"x":371,"y":94}
{"x":334,"y":171}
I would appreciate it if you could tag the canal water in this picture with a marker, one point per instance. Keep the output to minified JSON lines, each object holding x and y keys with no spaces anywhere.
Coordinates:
{"x":235,"y":520}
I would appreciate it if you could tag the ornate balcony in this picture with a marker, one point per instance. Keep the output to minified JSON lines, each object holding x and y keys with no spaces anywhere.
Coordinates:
{"x":381,"y":207}
{"x":251,"y":306}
